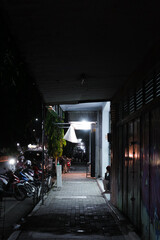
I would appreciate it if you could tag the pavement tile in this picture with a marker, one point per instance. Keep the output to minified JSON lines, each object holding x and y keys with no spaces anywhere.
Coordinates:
{"x":76,"y":211}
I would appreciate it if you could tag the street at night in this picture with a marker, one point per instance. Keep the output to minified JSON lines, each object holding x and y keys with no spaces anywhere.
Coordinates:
{"x":80,"y":106}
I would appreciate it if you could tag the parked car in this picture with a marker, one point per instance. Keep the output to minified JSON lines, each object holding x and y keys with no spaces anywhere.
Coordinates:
{"x":35,"y":156}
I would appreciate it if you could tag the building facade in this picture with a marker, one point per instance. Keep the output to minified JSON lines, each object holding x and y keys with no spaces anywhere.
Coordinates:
{"x":136,"y":149}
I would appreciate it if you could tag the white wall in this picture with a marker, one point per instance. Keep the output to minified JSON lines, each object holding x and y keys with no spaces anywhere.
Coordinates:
{"x":98,"y":145}
{"x":105,"y":143}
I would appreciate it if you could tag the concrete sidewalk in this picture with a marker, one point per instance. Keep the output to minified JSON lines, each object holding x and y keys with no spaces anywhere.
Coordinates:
{"x":78,"y":210}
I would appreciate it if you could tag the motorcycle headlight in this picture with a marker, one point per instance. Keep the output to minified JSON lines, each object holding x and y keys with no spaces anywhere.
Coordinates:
{"x":12,"y":161}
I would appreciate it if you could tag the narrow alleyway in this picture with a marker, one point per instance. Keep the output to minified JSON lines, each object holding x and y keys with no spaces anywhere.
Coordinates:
{"x":76,"y":211}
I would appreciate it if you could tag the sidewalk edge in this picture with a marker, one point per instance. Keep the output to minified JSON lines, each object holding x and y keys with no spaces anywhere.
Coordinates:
{"x":117,"y":213}
{"x":14,"y":235}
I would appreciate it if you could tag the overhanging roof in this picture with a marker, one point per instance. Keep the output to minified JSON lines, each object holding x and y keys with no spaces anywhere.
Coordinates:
{"x":82,"y":51}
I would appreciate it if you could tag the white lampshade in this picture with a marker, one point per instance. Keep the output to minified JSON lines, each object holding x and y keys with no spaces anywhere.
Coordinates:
{"x":71,"y":135}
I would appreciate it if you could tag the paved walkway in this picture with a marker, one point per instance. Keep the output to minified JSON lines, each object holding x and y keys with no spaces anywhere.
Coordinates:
{"x":76,"y":211}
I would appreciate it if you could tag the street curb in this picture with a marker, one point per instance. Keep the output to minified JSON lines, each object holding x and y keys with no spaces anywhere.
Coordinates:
{"x":16,"y":234}
{"x":116,"y":212}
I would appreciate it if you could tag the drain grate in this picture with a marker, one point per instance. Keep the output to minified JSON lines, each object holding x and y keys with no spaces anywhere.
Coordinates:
{"x":82,"y":182}
{"x":68,"y":197}
{"x":80,"y":231}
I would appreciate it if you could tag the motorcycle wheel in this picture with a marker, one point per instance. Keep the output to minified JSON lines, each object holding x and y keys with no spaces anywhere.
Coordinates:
{"x":39,"y":192}
{"x":49,"y":182}
{"x":45,"y":186}
{"x":30,"y":189}
{"x":20,"y":193}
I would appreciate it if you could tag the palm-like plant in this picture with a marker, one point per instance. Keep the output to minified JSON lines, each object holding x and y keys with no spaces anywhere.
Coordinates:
{"x":54,"y":135}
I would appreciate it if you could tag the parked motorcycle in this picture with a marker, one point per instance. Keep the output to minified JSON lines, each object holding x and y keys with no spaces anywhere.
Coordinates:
{"x":31,"y":174}
{"x":32,"y":185}
{"x":47,"y":177}
{"x":66,"y":164}
{"x":10,"y":185}
{"x":69,"y":163}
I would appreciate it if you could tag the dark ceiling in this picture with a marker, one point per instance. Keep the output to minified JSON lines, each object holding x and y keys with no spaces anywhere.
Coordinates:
{"x":82,"y":51}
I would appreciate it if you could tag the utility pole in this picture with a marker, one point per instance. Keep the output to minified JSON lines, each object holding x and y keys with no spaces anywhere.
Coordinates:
{"x":42,"y":153}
